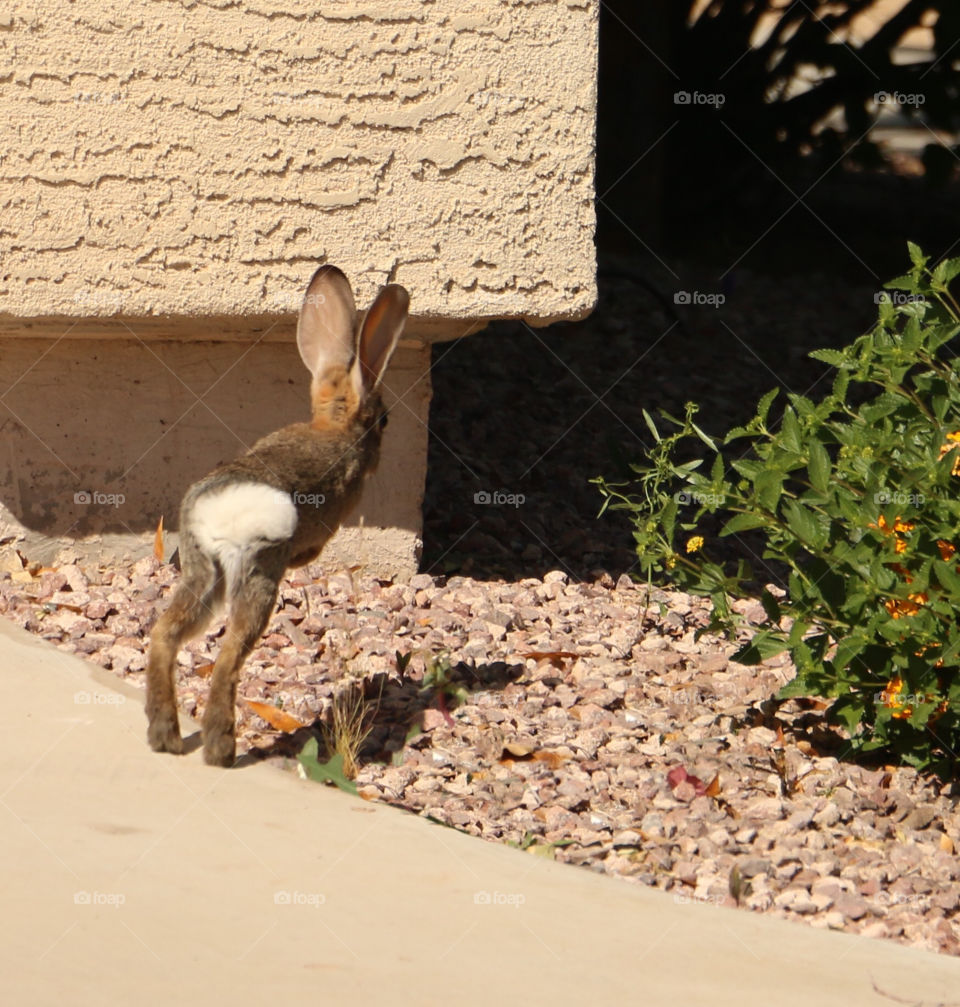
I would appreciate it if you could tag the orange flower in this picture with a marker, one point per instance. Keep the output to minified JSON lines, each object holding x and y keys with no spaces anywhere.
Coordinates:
{"x":899,"y":607}
{"x":946,"y":549}
{"x":953,"y":440}
{"x":898,"y":528}
{"x":891,"y":701}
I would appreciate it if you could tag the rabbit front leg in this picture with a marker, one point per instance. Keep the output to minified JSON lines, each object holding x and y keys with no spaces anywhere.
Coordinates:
{"x":250,"y":611}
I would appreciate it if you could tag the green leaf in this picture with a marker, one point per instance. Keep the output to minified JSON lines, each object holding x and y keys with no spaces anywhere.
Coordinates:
{"x":763,"y":406}
{"x":648,"y":419}
{"x":836,"y":358}
{"x":790,"y":430}
{"x":916,"y":255}
{"x":770,"y":605}
{"x":819,"y":467}
{"x":847,"y":650}
{"x":325,"y":772}
{"x":743,"y":522}
{"x":704,"y":437}
{"x":764,"y":644}
{"x":802,"y":523}
{"x":769,"y":488}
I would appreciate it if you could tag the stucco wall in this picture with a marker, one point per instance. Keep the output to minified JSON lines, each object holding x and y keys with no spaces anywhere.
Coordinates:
{"x":189,"y":158}
{"x":171,"y":173}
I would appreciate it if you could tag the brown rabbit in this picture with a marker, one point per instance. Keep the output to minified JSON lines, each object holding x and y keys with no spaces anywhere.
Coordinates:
{"x":248,"y":521}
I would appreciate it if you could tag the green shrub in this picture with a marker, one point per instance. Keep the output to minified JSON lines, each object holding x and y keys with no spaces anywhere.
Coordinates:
{"x":855,"y":497}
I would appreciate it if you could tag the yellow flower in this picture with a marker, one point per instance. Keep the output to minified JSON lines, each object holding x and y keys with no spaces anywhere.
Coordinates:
{"x":695,"y":543}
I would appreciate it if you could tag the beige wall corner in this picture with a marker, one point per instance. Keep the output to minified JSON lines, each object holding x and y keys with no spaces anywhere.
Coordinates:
{"x":196,"y":159}
{"x":170,"y":176}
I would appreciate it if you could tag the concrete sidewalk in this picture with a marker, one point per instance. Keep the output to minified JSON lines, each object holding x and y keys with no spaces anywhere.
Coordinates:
{"x":135,"y":878}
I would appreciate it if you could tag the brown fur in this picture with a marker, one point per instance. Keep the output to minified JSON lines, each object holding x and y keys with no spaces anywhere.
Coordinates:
{"x":327,"y":458}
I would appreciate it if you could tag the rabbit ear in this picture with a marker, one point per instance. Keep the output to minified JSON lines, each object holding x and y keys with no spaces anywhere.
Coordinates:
{"x":328,"y":318}
{"x":378,"y":337}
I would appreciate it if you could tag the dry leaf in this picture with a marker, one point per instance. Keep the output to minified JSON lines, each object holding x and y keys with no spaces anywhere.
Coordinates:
{"x":554,"y":657}
{"x":274,"y":717}
{"x":204,"y":670}
{"x":158,"y":541}
{"x":713,"y":787}
{"x":552,"y":759}
{"x":779,"y":740}
{"x":946,"y":843}
{"x":519,"y":751}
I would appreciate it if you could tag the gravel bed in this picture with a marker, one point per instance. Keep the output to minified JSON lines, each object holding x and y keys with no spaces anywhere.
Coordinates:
{"x":582,"y":720}
{"x":592,"y":728}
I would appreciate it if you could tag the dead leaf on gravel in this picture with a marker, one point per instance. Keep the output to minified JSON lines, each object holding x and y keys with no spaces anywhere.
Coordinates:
{"x":679,"y":775}
{"x":513,"y":752}
{"x":554,"y":657}
{"x":713,"y":787}
{"x":204,"y":670}
{"x":275,"y":717}
{"x":518,"y":751}
{"x":946,"y":843}
{"x":864,"y":844}
{"x":158,"y":541}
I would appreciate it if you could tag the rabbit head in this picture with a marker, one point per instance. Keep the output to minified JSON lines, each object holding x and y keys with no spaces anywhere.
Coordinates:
{"x":347,"y":360}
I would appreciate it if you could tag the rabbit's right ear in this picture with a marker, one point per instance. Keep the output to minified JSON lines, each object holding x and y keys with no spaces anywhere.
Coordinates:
{"x":328,"y":318}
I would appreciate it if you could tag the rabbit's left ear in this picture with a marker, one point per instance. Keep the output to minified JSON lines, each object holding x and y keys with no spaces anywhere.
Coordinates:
{"x":378,"y":337}
{"x":328,"y":317}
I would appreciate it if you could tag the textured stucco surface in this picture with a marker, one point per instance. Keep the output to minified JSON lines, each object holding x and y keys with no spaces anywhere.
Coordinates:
{"x":181,"y":158}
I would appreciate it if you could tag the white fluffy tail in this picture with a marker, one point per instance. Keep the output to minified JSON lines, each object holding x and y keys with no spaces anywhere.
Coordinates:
{"x":234,"y":523}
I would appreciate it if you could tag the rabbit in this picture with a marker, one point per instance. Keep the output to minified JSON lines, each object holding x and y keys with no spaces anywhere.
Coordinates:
{"x":248,"y":521}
